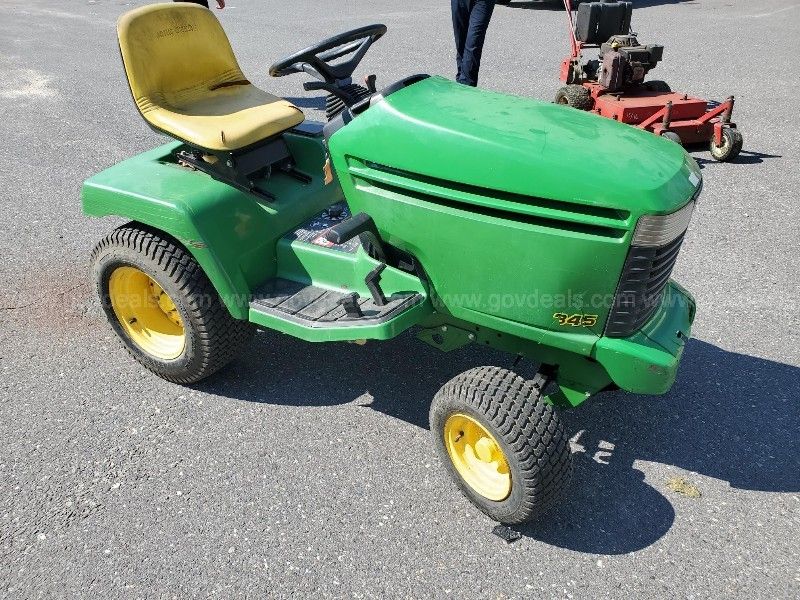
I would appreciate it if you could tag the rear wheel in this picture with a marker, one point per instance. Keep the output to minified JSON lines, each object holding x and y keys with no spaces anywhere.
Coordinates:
{"x":162,"y":306}
{"x":575,"y":96}
{"x":505,"y":448}
{"x":731,"y":145}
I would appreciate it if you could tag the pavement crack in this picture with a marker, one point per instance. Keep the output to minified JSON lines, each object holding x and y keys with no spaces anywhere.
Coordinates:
{"x":30,"y":304}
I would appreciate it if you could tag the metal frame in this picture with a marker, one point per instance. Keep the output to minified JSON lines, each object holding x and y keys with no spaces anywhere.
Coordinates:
{"x":244,"y":167}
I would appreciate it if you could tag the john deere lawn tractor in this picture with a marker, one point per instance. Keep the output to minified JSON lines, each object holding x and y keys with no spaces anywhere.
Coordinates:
{"x":473,"y":217}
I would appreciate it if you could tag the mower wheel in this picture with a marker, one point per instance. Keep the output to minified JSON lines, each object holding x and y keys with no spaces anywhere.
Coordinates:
{"x":657,"y":86}
{"x":575,"y":96}
{"x":732,"y":141}
{"x":672,"y":137}
{"x":502,"y":444}
{"x":162,"y":306}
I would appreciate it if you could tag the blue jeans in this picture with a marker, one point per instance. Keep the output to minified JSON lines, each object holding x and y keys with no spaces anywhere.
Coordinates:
{"x":470,"y":21}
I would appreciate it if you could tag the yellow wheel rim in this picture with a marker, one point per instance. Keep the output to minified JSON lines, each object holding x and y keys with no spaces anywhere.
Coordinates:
{"x":146,"y":313}
{"x":477,"y":457}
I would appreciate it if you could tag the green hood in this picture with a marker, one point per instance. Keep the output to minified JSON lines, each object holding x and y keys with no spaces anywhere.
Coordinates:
{"x":441,"y":129}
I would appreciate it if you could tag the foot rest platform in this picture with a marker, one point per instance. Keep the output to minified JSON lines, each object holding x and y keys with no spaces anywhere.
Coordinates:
{"x":317,"y":307}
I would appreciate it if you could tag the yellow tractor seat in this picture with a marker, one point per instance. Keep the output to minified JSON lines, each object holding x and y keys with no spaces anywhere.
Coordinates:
{"x":187,"y":83}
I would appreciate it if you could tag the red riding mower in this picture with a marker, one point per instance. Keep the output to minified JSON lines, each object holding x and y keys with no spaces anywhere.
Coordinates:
{"x":613,"y":85}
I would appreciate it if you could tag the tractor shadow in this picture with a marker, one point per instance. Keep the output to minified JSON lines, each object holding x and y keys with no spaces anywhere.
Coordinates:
{"x":398,"y":378}
{"x":730,"y":416}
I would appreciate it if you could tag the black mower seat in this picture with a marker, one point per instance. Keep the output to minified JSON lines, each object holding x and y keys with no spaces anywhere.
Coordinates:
{"x":187,"y":83}
{"x":598,"y":21}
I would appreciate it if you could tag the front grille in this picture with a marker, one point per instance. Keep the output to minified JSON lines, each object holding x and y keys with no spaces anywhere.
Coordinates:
{"x":644,"y":276}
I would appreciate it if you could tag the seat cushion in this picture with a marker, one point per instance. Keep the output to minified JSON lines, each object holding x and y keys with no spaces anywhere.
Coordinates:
{"x":187,"y":83}
{"x":227,"y":118}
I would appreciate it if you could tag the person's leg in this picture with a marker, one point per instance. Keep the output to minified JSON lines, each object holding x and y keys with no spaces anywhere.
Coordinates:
{"x":479,"y":18}
{"x":460,"y":9}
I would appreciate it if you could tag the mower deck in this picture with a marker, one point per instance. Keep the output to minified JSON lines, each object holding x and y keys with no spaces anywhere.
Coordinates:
{"x":687,"y":116}
{"x":635,"y":108}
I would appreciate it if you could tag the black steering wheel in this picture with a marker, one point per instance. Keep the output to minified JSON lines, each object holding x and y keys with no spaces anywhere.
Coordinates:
{"x":316,"y":60}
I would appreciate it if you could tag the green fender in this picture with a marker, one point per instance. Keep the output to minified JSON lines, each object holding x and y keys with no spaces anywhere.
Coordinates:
{"x":231,"y":234}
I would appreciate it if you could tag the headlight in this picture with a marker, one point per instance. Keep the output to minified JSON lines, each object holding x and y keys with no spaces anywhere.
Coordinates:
{"x":654,"y":231}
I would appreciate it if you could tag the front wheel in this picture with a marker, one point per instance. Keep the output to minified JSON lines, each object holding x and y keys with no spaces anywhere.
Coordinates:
{"x":162,"y":306}
{"x":732,"y":141}
{"x":502,"y":444}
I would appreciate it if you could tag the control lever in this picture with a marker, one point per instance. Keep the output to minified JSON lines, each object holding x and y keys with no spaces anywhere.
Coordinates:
{"x":360,"y":225}
{"x":373,"y":281}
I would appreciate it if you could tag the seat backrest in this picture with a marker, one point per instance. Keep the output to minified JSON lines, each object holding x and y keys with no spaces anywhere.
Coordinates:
{"x":598,"y":21}
{"x":174,"y":53}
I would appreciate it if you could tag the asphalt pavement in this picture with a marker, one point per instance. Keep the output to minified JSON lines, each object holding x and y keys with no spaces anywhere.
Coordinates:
{"x":309,"y":468}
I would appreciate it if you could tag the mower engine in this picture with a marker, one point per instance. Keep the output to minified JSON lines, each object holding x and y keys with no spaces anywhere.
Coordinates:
{"x":626,"y":62}
{"x":623,"y":61}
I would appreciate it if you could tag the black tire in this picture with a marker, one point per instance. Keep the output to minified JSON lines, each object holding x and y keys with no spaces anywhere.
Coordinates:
{"x":657,"y":86}
{"x":672,"y":137}
{"x":575,"y":96}
{"x":732,"y":141}
{"x":527,"y":430}
{"x":212,"y":336}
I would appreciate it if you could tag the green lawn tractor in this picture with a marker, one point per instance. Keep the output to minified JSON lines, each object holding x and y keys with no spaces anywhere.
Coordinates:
{"x":473,"y":217}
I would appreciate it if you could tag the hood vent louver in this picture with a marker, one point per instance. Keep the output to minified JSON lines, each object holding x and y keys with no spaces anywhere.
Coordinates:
{"x":554,"y":214}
